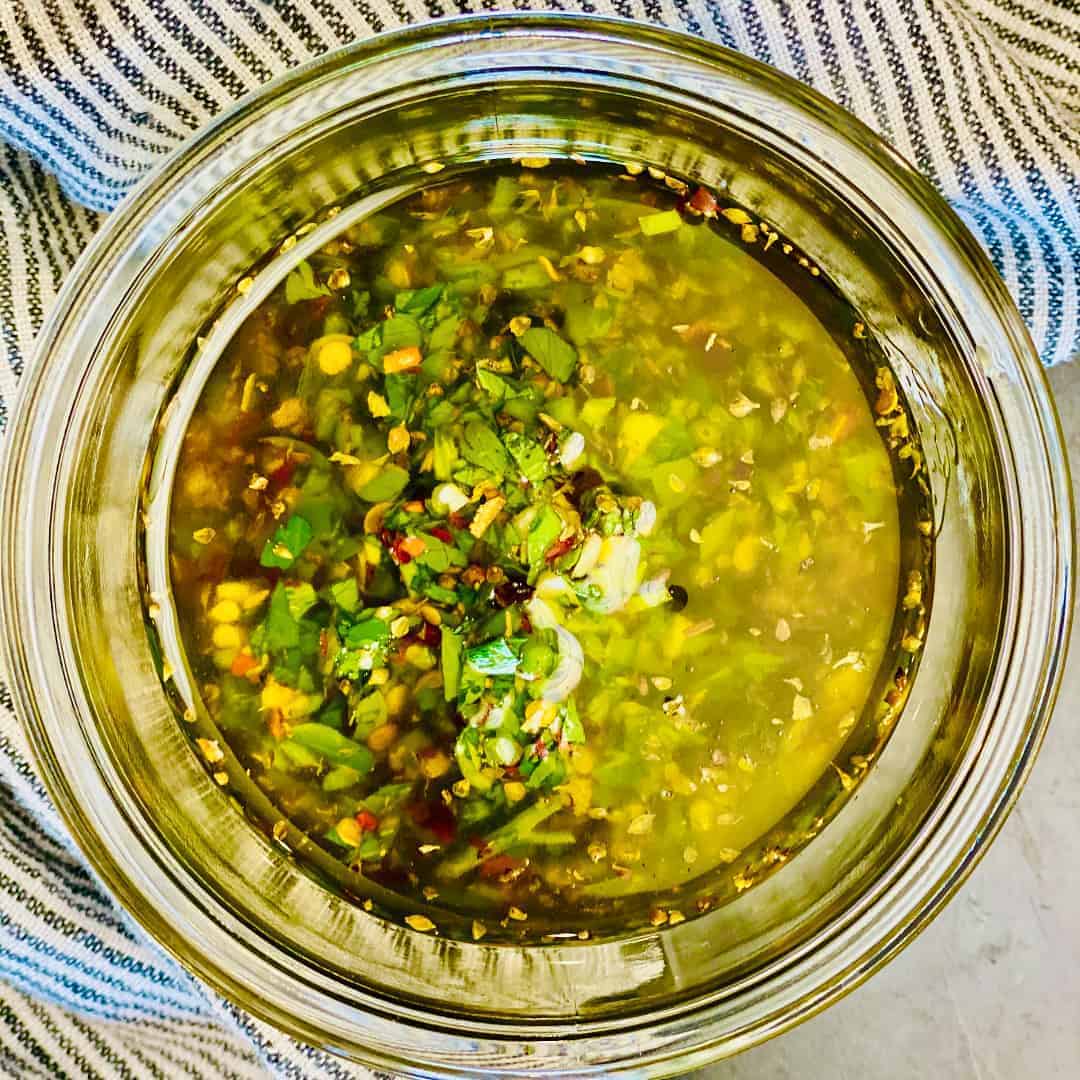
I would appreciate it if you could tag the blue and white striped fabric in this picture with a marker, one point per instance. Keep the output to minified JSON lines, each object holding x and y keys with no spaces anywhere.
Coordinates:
{"x":983,"y":95}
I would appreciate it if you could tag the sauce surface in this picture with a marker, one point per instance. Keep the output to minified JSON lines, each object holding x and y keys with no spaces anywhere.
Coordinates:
{"x":537,"y":548}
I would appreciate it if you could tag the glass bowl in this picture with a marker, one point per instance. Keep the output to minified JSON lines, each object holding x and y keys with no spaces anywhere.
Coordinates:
{"x":87,"y":459}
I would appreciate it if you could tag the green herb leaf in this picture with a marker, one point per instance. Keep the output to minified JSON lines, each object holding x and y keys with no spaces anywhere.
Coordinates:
{"x":287,"y":543}
{"x":387,"y":798}
{"x":483,"y":448}
{"x":548,"y":774}
{"x":543,"y":532}
{"x":445,"y":454}
{"x":557,"y":357}
{"x":387,"y":485}
{"x":417,"y":301}
{"x":586,"y":323}
{"x":438,"y":555}
{"x":332,"y":714}
{"x":500,"y":656}
{"x":370,"y":848}
{"x":340,"y":779}
{"x":470,"y":760}
{"x":525,"y":277}
{"x":528,"y":455}
{"x":400,"y":391}
{"x":364,"y":633}
{"x":370,"y":339}
{"x":301,"y":599}
{"x":444,"y":334}
{"x":338,"y":749}
{"x":491,"y":383}
{"x":346,"y":594}
{"x":401,"y":332}
{"x":361,"y":301}
{"x":364,"y":648}
{"x":572,"y":729}
{"x":439,"y":412}
{"x":434,"y":591}
{"x":368,"y":713}
{"x":279,"y":629}
{"x":450,"y":662}
{"x":292,"y":754}
{"x":301,"y":285}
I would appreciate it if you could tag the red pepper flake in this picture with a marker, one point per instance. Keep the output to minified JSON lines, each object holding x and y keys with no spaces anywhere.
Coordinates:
{"x":498,"y":865}
{"x":443,"y":533}
{"x":442,"y":823}
{"x":457,"y":521}
{"x":559,"y":548}
{"x":541,"y":749}
{"x":281,"y":476}
{"x":436,"y":818}
{"x":396,"y":543}
{"x":703,"y":202}
{"x":367,"y":821}
{"x":431,"y":635}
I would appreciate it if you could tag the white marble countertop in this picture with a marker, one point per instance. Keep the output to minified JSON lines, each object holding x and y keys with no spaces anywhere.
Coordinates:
{"x":991,"y":990}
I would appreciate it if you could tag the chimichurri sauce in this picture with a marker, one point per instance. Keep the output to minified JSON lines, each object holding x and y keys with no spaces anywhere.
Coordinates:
{"x":537,"y":547}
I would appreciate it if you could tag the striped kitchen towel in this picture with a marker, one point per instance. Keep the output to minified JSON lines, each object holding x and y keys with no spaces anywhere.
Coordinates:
{"x":983,"y":95}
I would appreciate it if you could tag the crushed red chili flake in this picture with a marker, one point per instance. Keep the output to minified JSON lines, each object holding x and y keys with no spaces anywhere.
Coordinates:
{"x":436,"y":818}
{"x":443,"y":533}
{"x":498,"y":865}
{"x":559,"y":548}
{"x":281,"y":476}
{"x":703,"y":202}
{"x":395,"y":542}
{"x":367,"y":821}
